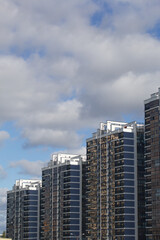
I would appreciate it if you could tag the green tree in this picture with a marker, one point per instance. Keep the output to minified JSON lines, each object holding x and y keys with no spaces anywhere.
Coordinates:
{"x":3,"y":234}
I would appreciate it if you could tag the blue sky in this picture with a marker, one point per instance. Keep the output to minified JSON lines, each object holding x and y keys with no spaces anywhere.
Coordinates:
{"x":64,"y":68}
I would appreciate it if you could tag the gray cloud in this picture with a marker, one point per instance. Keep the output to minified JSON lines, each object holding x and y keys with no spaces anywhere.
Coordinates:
{"x":60,"y":74}
{"x":131,"y":16}
{"x":28,"y":168}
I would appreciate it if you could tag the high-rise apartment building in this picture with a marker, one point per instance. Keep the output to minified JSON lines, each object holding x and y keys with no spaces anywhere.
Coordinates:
{"x":152,"y":166}
{"x":23,"y":203}
{"x":61,"y":198}
{"x":115,"y":182}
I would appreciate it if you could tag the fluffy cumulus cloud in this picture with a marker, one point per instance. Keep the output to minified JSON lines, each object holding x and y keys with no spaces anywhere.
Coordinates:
{"x":3,"y":202}
{"x":65,"y":66}
{"x":32,"y":169}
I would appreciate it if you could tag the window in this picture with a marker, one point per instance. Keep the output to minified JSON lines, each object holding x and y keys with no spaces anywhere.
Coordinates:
{"x":129,"y":183}
{"x":128,"y":169}
{"x":128,"y":135}
{"x":128,"y":142}
{"x":128,"y":155}
{"x":129,"y":210}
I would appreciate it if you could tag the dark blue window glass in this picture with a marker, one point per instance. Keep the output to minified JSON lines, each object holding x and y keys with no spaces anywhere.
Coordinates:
{"x":74,"y":209}
{"x":129,"y":175}
{"x":33,"y":197}
{"x":32,"y":192}
{"x":33,"y":208}
{"x":129,"y":238}
{"x":31,"y":230}
{"x":74,"y":234}
{"x":129,"y":225}
{"x":128,"y":169}
{"x":32,"y":235}
{"x":32,"y":218}
{"x":129,"y":196}
{"x":74,"y":215}
{"x":129,"y":190}
{"x":34,"y":214}
{"x":129,"y":217}
{"x":129,"y":162}
{"x":32,"y":224}
{"x":74,"y":203}
{"x":75,"y":221}
{"x":32,"y":203}
{"x":128,"y":149}
{"x":72,"y":227}
{"x":129,"y":210}
{"x":129,"y":203}
{"x":74,"y":197}
{"x":129,"y":232}
{"x":74,"y":179}
{"x":74,"y":173}
{"x":128,"y":142}
{"x":128,"y":183}
{"x":75,"y":185}
{"x":74,"y":191}
{"x":76,"y":167}
{"x":128,"y":135}
{"x":128,"y":155}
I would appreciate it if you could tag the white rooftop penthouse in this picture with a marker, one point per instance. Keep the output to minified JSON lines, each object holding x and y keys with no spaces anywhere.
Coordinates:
{"x":113,"y":127}
{"x":27,"y":184}
{"x":64,"y":158}
{"x":154,"y":96}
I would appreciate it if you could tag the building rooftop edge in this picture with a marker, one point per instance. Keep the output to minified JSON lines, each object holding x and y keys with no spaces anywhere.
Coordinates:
{"x":118,"y":127}
{"x":153,"y":96}
{"x":27,"y":184}
{"x":65,"y":158}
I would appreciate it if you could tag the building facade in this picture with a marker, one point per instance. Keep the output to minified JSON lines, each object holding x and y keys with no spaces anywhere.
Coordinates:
{"x":152,"y":166}
{"x":23,"y":207}
{"x":61,"y":198}
{"x":115,"y":183}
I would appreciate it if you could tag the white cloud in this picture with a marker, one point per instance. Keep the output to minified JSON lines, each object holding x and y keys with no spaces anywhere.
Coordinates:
{"x":3,"y":202}
{"x":60,"y":74}
{"x":132,"y":16}
{"x":28,"y":168}
{"x":54,"y":138}
{"x":80,"y":151}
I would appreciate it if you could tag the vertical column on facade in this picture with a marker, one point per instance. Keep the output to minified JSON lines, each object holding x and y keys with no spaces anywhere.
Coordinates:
{"x":100,"y":182}
{"x":108,"y":192}
{"x":135,"y":179}
{"x":80,"y":198}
